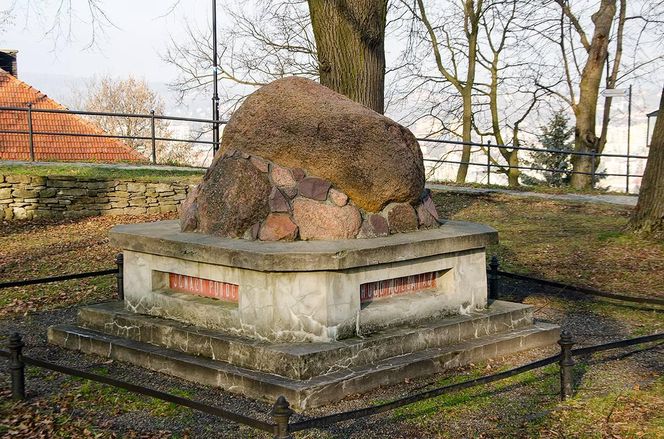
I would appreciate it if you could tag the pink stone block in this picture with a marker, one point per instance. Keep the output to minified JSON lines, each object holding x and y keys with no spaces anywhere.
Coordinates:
{"x":278,"y":227}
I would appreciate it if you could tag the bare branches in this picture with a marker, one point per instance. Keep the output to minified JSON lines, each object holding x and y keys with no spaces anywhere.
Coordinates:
{"x":272,"y":41}
{"x":567,"y":11}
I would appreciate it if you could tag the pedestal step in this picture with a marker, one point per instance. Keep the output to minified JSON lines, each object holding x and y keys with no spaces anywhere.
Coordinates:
{"x":304,"y":360}
{"x":312,"y":392}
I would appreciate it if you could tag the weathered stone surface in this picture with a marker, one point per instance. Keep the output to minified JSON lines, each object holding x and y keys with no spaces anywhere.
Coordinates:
{"x":373,"y":226}
{"x":314,"y":188}
{"x":47,"y":193}
{"x":278,"y":201}
{"x":401,"y":217}
{"x":18,"y":179}
{"x":298,"y":123}
{"x":135,"y":187}
{"x":252,"y":232}
{"x":259,"y":163}
{"x":424,"y":216}
{"x":278,"y":227}
{"x":290,"y":192}
{"x":298,"y":174}
{"x":24,"y":193}
{"x":231,"y":198}
{"x":282,"y":176}
{"x":325,"y":221}
{"x":338,"y":198}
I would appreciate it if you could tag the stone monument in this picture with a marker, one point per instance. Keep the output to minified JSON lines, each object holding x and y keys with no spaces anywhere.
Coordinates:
{"x":310,"y":262}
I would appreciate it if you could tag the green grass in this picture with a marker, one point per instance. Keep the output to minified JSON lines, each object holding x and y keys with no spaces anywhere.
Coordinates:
{"x":623,"y":413}
{"x":155,"y":174}
{"x":534,"y":188}
{"x":573,"y":243}
{"x":105,"y":397}
{"x":577,"y":243}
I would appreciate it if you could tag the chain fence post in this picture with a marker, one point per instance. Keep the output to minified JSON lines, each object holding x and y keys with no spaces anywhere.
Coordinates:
{"x":493,"y":278}
{"x":31,"y":137}
{"x":17,"y":366}
{"x":152,"y":135}
{"x":566,"y":364}
{"x":281,"y":413}
{"x":488,"y":163}
{"x":119,"y":261}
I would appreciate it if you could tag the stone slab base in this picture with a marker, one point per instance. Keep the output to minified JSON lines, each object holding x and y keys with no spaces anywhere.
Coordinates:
{"x":308,"y":374}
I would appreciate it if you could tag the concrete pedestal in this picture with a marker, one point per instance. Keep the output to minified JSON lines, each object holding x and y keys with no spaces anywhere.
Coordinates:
{"x":307,"y":290}
{"x":313,"y":321}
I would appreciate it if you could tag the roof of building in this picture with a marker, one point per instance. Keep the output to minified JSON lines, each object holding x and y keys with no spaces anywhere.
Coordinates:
{"x":16,"y":93}
{"x":653,"y":113}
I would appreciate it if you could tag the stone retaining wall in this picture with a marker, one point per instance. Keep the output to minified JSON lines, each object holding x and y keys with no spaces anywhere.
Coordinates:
{"x":26,"y":197}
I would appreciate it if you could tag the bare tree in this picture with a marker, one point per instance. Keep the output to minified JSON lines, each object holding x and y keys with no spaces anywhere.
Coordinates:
{"x":271,"y":40}
{"x":591,"y":48}
{"x":278,"y":38}
{"x":133,"y":96}
{"x":512,"y":69}
{"x":451,"y":38}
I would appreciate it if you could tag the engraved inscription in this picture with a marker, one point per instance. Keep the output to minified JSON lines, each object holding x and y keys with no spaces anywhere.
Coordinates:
{"x":400,"y":285}
{"x":203,"y":287}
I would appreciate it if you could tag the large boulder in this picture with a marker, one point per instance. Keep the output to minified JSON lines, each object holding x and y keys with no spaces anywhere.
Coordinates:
{"x":298,"y":123}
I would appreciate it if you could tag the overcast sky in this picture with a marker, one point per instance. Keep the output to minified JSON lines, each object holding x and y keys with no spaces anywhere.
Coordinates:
{"x":142,"y":32}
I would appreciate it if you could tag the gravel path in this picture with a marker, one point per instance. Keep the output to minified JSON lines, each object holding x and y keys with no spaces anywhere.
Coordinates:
{"x":518,"y":404}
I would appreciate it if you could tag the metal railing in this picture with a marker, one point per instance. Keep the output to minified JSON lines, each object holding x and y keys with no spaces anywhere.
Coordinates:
{"x":492,"y":163}
{"x":151,"y":137}
{"x":282,"y":427}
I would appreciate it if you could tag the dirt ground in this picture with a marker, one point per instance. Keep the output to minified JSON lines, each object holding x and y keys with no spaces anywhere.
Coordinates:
{"x":618,"y":394}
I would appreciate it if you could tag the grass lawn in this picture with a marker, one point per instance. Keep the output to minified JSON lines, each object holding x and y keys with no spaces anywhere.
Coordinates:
{"x":544,"y":189}
{"x":575,"y":243}
{"x":619,"y":394}
{"x":147,"y":174}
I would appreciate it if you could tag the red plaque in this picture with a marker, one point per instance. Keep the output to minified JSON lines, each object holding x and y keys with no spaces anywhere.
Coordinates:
{"x":203,"y":287}
{"x":400,"y":285}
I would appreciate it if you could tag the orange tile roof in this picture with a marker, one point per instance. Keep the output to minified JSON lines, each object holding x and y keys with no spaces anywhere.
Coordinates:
{"x":16,"y":93}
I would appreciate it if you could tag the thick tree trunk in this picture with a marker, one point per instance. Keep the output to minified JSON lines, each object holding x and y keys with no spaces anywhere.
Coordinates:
{"x":585,"y":139}
{"x":350,"y":42}
{"x":648,"y":217}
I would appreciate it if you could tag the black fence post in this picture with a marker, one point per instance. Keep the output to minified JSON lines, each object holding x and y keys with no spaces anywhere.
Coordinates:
{"x":119,"y":260}
{"x":566,"y":364}
{"x":17,"y":366}
{"x":493,"y":278}
{"x":281,"y":413}
{"x":31,"y":137}
{"x":154,"y":142}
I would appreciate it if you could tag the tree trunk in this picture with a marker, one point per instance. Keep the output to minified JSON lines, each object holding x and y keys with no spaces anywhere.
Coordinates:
{"x":466,"y":121}
{"x":585,"y":139}
{"x":514,"y":172}
{"x":648,"y":217}
{"x":471,"y":19}
{"x":350,"y":42}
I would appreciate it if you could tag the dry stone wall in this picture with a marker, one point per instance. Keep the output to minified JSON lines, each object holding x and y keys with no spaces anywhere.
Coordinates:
{"x":24,"y":197}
